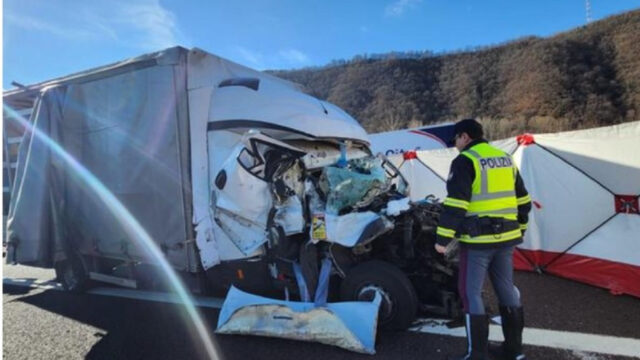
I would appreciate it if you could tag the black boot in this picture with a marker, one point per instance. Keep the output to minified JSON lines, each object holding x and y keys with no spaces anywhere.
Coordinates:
{"x":477,"y":338}
{"x":512,"y":325}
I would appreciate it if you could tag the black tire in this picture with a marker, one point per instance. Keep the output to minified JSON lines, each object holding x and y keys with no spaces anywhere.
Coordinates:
{"x":399,"y":303}
{"x":72,"y":274}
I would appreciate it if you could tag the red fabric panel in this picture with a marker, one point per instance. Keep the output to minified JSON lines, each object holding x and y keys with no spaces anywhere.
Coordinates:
{"x":525,"y":139}
{"x":521,"y":261}
{"x":619,"y":278}
{"x":410,"y":155}
{"x":627,"y":204}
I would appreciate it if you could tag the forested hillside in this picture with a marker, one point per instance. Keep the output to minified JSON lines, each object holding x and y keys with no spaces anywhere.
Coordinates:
{"x":586,"y":77}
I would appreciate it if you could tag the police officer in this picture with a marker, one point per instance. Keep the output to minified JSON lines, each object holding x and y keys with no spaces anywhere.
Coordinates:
{"x":486,"y":209}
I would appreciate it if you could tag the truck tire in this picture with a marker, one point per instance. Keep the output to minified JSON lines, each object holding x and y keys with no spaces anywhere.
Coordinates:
{"x":72,"y":275}
{"x":399,"y":300}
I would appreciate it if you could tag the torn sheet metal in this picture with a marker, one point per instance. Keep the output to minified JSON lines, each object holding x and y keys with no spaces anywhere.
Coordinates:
{"x":349,"y":325}
{"x":355,"y":185}
{"x":242,"y":203}
{"x":347,"y":229}
{"x":242,"y":190}
{"x":396,"y":207}
{"x":290,"y":216}
{"x":286,"y":179}
{"x":319,"y":154}
{"x":288,"y":189}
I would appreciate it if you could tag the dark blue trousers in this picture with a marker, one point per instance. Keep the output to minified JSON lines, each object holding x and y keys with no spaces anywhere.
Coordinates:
{"x":474,"y":266}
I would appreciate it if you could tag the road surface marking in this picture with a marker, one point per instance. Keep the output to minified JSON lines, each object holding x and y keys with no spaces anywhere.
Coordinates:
{"x":603,"y":344}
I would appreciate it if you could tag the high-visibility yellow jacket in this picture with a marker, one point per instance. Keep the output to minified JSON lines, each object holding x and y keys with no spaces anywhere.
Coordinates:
{"x":487,"y":204}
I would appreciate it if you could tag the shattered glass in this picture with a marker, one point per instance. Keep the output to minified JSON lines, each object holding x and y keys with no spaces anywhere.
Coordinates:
{"x":355,"y":185}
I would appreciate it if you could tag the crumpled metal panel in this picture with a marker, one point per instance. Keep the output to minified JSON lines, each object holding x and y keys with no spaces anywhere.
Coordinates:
{"x":347,"y":229}
{"x":290,"y":215}
{"x":242,"y":205}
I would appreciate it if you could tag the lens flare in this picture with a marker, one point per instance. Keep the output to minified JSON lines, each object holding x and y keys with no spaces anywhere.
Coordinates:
{"x":132,"y":227}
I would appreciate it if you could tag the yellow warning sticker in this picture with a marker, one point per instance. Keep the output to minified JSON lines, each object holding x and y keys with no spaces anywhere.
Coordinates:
{"x":318,"y":227}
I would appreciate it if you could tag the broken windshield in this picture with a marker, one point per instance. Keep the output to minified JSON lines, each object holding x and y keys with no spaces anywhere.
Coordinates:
{"x":358,"y":183}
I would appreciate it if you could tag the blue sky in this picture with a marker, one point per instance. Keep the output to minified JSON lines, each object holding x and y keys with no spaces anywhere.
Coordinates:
{"x":43,"y":39}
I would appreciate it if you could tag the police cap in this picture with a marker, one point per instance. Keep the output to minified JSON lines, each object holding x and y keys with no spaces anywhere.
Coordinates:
{"x":469,"y":126}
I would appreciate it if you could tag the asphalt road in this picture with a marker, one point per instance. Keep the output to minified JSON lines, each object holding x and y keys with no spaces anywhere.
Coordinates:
{"x":50,"y":324}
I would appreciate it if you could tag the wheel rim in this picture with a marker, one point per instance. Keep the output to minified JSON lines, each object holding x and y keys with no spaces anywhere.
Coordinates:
{"x":368,"y":293}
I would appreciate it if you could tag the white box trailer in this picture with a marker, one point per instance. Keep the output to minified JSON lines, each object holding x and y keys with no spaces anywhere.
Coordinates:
{"x":229,"y":172}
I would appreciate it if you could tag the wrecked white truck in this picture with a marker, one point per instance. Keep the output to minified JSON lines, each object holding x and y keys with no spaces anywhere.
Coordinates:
{"x":236,"y":175}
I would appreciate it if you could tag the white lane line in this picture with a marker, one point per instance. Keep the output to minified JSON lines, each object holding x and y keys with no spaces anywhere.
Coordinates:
{"x":602,"y":344}
{"x":201,"y":301}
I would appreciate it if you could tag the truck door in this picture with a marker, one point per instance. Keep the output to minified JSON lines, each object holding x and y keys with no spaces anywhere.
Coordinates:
{"x":242,"y":196}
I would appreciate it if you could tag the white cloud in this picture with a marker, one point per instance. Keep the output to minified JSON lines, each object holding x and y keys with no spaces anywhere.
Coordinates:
{"x":30,"y":23}
{"x":156,"y":27}
{"x":399,"y":7}
{"x":142,"y":24}
{"x":250,"y":57}
{"x":282,"y":59}
{"x":294,"y":56}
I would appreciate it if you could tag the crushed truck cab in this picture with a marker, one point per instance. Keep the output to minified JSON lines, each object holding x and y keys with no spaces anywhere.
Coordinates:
{"x":236,"y":176}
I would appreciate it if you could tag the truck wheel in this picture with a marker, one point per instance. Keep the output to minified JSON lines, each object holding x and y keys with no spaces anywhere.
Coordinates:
{"x":399,"y":301}
{"x":72,"y":275}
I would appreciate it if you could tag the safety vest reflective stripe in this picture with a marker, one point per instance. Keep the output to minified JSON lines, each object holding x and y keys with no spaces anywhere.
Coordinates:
{"x":523,"y":200}
{"x":495,"y":195}
{"x":492,"y":238}
{"x":456,"y":203}
{"x":523,"y":226}
{"x":508,"y":211}
{"x":445,"y":232}
{"x":501,"y":206}
{"x":483,"y":180}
